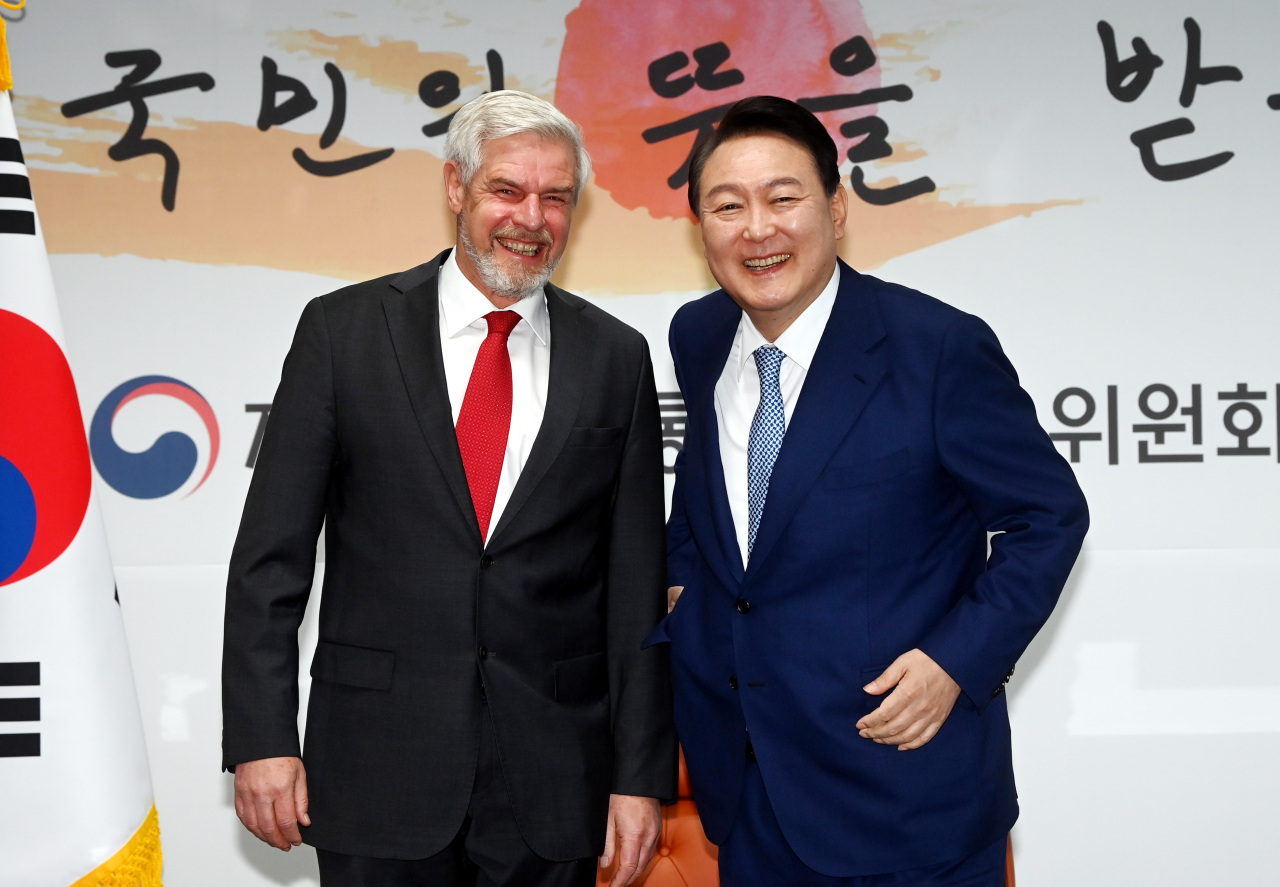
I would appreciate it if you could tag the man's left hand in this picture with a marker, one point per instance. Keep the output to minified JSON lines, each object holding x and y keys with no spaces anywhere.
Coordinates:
{"x":635,"y":824}
{"x":914,"y":712}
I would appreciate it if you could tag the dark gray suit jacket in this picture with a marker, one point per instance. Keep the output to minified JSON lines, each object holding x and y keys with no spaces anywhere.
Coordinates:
{"x":417,"y":611}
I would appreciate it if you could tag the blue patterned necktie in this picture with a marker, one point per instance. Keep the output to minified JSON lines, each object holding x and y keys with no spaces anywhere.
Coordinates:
{"x":767,"y":429}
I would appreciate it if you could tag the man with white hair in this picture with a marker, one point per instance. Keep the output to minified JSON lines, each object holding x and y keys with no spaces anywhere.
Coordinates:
{"x":484,"y":450}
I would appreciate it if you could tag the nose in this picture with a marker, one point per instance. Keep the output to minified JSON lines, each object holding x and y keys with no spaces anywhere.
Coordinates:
{"x":759,"y":224}
{"x":528,"y":213}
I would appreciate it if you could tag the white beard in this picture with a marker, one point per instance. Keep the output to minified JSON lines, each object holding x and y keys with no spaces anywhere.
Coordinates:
{"x":497,"y":279}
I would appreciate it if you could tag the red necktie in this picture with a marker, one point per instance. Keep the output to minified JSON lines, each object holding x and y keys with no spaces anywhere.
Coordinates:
{"x":485,"y":418}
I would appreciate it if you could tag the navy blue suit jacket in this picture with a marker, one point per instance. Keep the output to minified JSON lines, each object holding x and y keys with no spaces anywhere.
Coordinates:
{"x":910,"y":442}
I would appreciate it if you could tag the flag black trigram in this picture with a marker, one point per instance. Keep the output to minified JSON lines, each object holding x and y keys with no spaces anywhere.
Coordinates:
{"x":14,"y":709}
{"x":18,"y":220}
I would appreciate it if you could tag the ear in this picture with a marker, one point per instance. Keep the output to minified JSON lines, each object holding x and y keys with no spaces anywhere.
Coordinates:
{"x":839,"y":210}
{"x":455,"y":191}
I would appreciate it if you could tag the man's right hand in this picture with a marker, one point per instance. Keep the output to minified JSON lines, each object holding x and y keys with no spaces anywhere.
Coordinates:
{"x":271,"y":799}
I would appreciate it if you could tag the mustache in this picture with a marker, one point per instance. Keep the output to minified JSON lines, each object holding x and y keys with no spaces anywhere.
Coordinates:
{"x":543,"y":237}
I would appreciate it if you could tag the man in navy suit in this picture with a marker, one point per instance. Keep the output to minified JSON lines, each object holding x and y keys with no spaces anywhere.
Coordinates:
{"x":844,"y":634}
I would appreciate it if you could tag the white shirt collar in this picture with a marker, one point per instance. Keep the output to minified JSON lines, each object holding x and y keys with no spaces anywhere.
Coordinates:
{"x":799,"y":341}
{"x":462,"y":305}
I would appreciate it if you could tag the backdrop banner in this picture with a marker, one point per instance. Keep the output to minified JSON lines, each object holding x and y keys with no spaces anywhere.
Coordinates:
{"x":1096,"y":180}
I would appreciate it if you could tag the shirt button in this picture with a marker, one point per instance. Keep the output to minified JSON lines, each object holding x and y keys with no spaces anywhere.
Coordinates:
{"x":486,"y":562}
{"x":484,"y":652}
{"x":744,"y":606}
{"x":733,"y":682}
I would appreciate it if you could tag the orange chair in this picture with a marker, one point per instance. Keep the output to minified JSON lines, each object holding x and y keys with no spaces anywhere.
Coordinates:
{"x":685,"y":858}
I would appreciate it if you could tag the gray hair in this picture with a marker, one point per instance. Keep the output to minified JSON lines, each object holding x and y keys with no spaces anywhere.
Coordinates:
{"x":496,"y":115}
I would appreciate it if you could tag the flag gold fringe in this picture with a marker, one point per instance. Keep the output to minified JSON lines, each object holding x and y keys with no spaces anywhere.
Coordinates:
{"x":6,"y":73}
{"x":137,"y":864}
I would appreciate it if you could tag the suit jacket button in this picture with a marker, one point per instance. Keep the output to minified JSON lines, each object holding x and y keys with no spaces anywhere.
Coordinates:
{"x":733,"y":682}
{"x":484,"y":652}
{"x":744,"y":605}
{"x":486,"y":562}
{"x":751,"y":752}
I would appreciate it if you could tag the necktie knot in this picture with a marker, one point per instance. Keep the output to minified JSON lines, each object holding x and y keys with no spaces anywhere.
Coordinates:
{"x":769,"y":364}
{"x":501,"y":323}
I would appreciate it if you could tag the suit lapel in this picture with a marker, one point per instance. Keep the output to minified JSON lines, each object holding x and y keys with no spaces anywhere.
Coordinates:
{"x":413,"y":320}
{"x":704,"y":368}
{"x":572,"y":351}
{"x":840,"y":382}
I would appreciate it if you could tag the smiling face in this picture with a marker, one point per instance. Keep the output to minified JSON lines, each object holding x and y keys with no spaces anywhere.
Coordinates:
{"x":768,"y":229}
{"x":514,"y":215}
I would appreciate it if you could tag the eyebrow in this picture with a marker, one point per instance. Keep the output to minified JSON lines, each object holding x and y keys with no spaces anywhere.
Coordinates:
{"x":500,"y":181}
{"x":737,"y":189}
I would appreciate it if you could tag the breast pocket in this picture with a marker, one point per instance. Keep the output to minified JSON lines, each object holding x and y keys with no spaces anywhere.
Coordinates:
{"x":869,"y":471}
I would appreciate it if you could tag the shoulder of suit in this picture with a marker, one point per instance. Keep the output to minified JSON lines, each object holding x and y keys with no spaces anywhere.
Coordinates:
{"x":605,"y":322}
{"x":902,"y":307}
{"x":371,"y":292}
{"x":710,"y":310}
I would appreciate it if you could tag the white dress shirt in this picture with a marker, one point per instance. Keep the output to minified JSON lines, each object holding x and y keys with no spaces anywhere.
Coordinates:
{"x":738,"y":392}
{"x":462,"y":329}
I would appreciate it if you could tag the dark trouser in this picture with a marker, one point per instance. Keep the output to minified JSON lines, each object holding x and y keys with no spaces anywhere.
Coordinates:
{"x":756,"y":854}
{"x":488,"y":851}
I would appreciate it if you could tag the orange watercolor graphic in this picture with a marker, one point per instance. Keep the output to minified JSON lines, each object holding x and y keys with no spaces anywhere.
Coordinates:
{"x":707,"y":55}
{"x":242,"y":200}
